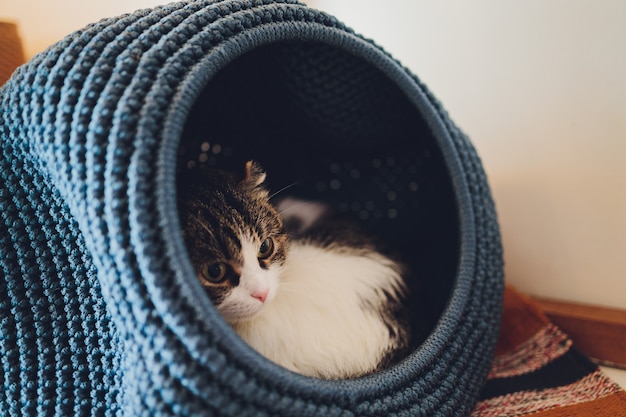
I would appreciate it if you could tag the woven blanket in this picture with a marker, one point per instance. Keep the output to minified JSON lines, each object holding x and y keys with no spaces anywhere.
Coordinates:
{"x":538,"y":372}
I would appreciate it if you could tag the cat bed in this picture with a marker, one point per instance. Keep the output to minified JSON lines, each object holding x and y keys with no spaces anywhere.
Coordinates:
{"x":100,"y":311}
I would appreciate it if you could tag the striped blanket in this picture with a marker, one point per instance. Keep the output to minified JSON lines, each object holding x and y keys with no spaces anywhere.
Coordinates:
{"x":538,"y":372}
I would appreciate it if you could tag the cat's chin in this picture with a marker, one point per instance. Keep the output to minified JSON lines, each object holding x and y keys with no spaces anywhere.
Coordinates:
{"x":242,"y":315}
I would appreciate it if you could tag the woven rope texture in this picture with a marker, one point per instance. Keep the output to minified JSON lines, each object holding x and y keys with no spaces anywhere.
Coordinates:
{"x":99,"y":310}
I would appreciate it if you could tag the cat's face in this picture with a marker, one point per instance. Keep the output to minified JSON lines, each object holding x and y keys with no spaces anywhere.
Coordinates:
{"x":234,"y":238}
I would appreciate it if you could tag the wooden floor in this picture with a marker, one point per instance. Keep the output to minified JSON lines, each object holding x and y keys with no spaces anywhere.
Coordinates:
{"x":598,"y":332}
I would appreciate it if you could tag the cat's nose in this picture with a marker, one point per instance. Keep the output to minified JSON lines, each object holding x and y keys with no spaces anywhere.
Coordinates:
{"x":260,"y":295}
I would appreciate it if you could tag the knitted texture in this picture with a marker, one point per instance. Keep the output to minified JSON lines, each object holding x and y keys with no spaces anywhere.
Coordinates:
{"x":100,"y":312}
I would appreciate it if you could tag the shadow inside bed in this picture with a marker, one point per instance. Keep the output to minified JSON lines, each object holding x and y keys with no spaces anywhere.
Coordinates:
{"x":333,"y":128}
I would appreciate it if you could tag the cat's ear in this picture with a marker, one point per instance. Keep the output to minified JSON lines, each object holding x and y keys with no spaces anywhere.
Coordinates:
{"x":255,"y":175}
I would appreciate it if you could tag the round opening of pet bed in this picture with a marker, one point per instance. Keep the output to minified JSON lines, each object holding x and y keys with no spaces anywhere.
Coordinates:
{"x":329,"y":126}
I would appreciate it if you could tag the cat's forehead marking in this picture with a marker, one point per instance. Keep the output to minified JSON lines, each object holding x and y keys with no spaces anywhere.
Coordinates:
{"x":249,"y":250}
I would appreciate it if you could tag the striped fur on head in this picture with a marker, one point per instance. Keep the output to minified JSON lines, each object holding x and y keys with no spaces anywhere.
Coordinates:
{"x":234,"y":237}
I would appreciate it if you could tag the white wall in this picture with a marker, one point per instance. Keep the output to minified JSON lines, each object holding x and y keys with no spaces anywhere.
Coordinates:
{"x":43,"y":22}
{"x":539,"y":86}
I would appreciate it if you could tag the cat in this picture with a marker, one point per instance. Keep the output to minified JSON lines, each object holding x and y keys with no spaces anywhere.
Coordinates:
{"x":305,"y":288}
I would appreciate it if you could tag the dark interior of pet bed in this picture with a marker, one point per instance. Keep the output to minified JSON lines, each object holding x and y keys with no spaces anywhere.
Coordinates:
{"x":329,"y":126}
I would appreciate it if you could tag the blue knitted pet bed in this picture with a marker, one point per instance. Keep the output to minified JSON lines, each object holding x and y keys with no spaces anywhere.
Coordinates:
{"x":100,"y":311}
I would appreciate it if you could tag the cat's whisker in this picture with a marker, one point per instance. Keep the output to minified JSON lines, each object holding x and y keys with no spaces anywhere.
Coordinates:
{"x":287,"y":287}
{"x":295,"y":206}
{"x":284,"y":189}
{"x":284,"y":286}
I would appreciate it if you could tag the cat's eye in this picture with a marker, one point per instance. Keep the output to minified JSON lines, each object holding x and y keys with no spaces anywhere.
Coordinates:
{"x":214,"y":273}
{"x":266,"y":249}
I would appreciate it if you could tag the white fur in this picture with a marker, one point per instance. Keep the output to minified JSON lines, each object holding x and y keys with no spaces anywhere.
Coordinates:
{"x":323,"y":320}
{"x":306,"y":212}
